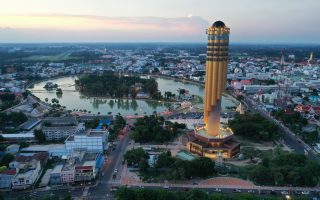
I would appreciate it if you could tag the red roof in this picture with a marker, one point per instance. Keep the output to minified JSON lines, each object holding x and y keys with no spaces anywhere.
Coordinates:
{"x":245,"y":82}
{"x":316,"y":108}
{"x":83,"y":167}
{"x":303,"y":108}
{"x":287,"y":111}
{"x":9,"y":172}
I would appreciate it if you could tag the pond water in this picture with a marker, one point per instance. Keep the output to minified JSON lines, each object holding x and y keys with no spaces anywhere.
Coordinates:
{"x":73,"y":99}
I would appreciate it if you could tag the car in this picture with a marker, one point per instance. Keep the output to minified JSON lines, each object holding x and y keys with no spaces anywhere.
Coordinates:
{"x":166,"y":187}
{"x":237,"y":191}
{"x":217,"y":190}
{"x":272,"y":192}
{"x":284,"y":192}
{"x":113,"y":188}
{"x":305,"y":192}
{"x":141,"y":186}
{"x":116,"y":170}
{"x":251,"y":191}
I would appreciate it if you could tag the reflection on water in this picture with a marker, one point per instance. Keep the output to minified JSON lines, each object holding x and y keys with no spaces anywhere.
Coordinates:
{"x":74,"y":100}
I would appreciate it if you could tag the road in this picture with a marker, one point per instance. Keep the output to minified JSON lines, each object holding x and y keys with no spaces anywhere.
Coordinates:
{"x":288,"y":136}
{"x":102,"y":190}
{"x":60,"y":192}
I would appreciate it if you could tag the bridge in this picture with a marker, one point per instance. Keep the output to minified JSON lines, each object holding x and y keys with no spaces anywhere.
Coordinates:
{"x":50,"y":91}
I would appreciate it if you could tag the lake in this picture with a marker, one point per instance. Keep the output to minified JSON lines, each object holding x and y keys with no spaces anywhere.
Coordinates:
{"x":74,"y":100}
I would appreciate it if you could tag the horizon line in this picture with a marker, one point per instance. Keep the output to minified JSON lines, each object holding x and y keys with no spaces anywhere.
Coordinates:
{"x":164,"y":42}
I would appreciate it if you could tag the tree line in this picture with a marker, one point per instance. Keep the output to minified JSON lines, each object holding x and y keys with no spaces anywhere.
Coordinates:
{"x":111,"y":85}
{"x":172,"y":168}
{"x":286,"y":169}
{"x":154,"y":129}
{"x":254,"y":127}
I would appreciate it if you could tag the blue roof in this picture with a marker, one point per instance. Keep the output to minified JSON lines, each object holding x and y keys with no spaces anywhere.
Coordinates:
{"x":103,"y":122}
{"x":185,"y":155}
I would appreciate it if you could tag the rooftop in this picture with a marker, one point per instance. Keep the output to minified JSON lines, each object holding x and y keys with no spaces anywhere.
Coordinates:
{"x":185,"y":156}
{"x":9,"y":172}
{"x":57,"y":169}
{"x":224,"y":133}
{"x":28,"y":125}
{"x":218,"y":24}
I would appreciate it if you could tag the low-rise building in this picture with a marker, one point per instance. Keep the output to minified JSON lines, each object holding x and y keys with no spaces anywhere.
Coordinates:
{"x":6,"y":178}
{"x":92,"y":141}
{"x":59,"y":132}
{"x":27,"y":175}
{"x":13,"y":148}
{"x":60,"y":121}
{"x":55,"y":176}
{"x":57,"y":129}
{"x":28,"y":168}
{"x":68,"y":172}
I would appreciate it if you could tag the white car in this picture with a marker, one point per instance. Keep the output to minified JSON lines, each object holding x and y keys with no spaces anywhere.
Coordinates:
{"x":285,"y":192}
{"x":305,"y":192}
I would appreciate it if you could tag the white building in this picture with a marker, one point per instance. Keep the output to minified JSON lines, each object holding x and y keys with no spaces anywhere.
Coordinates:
{"x":68,"y":172}
{"x":61,"y":132}
{"x":92,"y":141}
{"x":27,"y":175}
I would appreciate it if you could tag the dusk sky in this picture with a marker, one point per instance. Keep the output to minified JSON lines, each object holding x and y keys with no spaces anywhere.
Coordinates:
{"x":253,"y":21}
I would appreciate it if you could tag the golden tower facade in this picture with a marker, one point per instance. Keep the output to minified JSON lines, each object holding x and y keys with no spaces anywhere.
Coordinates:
{"x":216,"y":75}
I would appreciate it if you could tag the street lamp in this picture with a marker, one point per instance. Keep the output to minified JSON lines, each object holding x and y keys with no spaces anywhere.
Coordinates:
{"x":288,"y":197}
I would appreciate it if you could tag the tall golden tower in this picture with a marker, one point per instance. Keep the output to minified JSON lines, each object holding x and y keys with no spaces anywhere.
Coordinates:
{"x":216,"y":75}
{"x":211,"y":140}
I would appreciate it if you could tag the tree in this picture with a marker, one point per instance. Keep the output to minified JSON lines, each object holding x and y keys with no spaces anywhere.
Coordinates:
{"x":202,"y":167}
{"x":23,"y":145}
{"x":7,"y":97}
{"x":261,"y":175}
{"x":39,"y":135}
{"x":25,"y":95}
{"x":249,"y":152}
{"x":254,"y":127}
{"x":143,"y":165}
{"x":54,"y":100}
{"x":134,"y":156}
{"x":240,"y":97}
{"x":124,"y":193}
{"x":151,"y":129}
{"x":46,"y":99}
{"x":6,"y":159}
{"x":92,"y":123}
{"x":165,"y":160}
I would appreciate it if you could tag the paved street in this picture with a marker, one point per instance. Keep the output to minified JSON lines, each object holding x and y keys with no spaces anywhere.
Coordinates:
{"x":102,"y":190}
{"x":288,"y":136}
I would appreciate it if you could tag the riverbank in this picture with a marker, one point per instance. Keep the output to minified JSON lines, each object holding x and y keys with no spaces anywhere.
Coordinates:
{"x":177,"y":79}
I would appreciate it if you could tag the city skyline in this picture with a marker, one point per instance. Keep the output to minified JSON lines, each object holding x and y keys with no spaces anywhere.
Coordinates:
{"x":161,"y":21}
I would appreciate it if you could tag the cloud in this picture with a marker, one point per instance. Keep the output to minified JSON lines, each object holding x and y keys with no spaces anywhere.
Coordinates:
{"x":80,"y":28}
